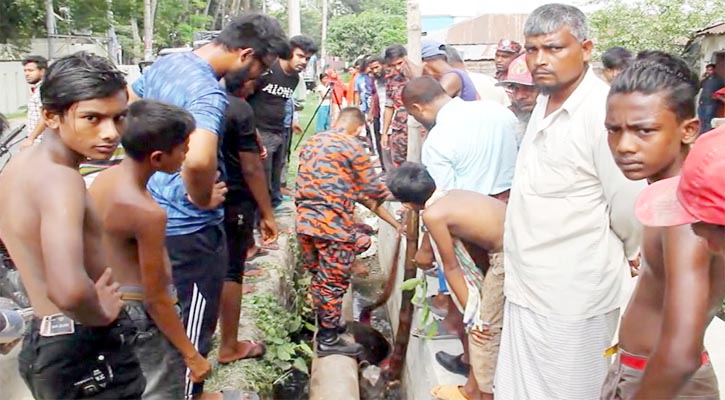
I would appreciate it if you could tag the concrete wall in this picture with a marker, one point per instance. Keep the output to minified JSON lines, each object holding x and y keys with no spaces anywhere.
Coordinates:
{"x":14,"y":91}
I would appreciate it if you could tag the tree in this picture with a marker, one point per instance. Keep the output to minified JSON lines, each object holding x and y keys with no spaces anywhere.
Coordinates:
{"x":652,"y":24}
{"x":365,"y":33}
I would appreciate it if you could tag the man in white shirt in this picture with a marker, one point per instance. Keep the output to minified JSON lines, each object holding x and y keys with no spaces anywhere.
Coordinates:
{"x":33,"y":69}
{"x":470,"y":145}
{"x":569,"y":227}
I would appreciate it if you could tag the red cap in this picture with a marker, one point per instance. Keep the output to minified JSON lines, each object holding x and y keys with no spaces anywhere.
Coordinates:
{"x":698,"y":194}
{"x":508,"y":46}
{"x":518,"y":73}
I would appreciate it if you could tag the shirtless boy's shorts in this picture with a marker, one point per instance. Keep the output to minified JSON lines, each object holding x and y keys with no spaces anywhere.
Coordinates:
{"x":484,"y":356}
{"x":90,"y":363}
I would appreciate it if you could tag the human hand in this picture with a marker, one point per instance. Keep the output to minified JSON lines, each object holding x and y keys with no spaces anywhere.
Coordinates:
{"x":108,"y":297}
{"x":263,"y":153}
{"x":384,"y":141}
{"x":217,"y":197}
{"x":412,"y":69}
{"x":199,"y":367}
{"x":481,"y":336}
{"x":296,"y":128}
{"x":27,"y":143}
{"x":634,"y":266}
{"x":268,"y":229}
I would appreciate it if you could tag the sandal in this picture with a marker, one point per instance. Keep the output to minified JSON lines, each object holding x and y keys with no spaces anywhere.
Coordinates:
{"x":448,"y":392}
{"x":256,"y":351}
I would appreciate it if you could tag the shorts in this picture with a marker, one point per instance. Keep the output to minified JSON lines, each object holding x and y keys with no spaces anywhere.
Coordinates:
{"x":239,"y":226}
{"x":483,"y":357}
{"x":162,"y":364}
{"x":622,"y":382}
{"x":91,"y":363}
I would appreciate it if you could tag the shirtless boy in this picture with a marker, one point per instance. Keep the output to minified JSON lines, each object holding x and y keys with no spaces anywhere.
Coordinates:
{"x":156,"y":139}
{"x":77,"y":344}
{"x":651,"y":122}
{"x":458,"y":239}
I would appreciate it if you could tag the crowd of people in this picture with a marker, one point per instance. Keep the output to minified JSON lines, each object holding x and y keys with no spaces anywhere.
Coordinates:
{"x":541,"y":190}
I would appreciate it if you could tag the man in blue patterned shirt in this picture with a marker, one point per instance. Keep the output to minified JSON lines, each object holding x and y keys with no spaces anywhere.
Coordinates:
{"x":193,"y":197}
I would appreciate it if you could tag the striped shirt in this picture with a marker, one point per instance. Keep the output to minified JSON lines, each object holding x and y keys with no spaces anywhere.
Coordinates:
{"x":187,"y":81}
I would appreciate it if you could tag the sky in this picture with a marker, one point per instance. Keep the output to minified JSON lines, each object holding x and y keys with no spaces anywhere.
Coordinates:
{"x":477,"y":7}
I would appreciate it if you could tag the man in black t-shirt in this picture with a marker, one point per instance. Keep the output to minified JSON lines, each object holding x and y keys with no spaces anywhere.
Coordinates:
{"x":269,"y":100}
{"x":708,"y":107}
{"x":248,"y":192}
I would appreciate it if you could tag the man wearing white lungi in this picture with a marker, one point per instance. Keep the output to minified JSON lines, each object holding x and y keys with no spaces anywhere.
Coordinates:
{"x":569,"y":227}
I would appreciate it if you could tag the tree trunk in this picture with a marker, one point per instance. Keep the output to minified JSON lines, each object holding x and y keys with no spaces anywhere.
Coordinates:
{"x":323,"y":39}
{"x":247,"y":5}
{"x":148,"y":30}
{"x":207,"y":7}
{"x":114,"y":48}
{"x":293,"y":17}
{"x":50,"y":26}
{"x":136,"y":40}
{"x":236,"y":8}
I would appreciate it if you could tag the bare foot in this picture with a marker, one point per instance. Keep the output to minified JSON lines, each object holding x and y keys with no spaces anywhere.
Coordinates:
{"x":247,"y":288}
{"x":244,"y":349}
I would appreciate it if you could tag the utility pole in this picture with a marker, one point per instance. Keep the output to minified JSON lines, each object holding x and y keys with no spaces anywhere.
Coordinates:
{"x":402,"y":336}
{"x":323,"y":40}
{"x":293,"y":17}
{"x":50,"y":26}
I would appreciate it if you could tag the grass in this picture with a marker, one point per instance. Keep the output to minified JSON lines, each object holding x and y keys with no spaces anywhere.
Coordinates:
{"x":311,"y":103}
{"x":17,"y":114}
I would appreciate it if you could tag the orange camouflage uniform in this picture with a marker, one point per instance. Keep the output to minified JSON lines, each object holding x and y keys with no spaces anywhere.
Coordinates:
{"x":394,"y":84}
{"x":334,"y":171}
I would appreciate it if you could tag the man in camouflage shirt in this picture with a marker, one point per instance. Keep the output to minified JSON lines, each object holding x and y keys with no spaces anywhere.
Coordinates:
{"x":335,"y":171}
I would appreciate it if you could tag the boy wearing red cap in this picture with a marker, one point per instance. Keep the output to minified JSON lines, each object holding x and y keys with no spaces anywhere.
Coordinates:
{"x":651,"y":123}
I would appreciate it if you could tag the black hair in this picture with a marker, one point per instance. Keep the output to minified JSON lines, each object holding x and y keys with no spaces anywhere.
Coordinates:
{"x":394,"y":52}
{"x":657,"y":71}
{"x":304,"y":43}
{"x":40,"y":61}
{"x":234,"y":80}
{"x":155,"y":126}
{"x":364,"y":62}
{"x":411,"y":183}
{"x":4,"y":125}
{"x":453,"y":55}
{"x":375,"y":58}
{"x":323,"y":75}
{"x":260,"y":32}
{"x":617,"y":58}
{"x":711,"y":65}
{"x":353,"y":114}
{"x":422,"y":90}
{"x":78,"y":77}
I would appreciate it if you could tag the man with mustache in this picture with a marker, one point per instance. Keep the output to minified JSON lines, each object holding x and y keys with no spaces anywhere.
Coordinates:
{"x":569,"y":228}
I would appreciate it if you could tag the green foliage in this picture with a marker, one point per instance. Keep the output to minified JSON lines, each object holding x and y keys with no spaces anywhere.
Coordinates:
{"x":368,"y":32}
{"x":652,"y":24}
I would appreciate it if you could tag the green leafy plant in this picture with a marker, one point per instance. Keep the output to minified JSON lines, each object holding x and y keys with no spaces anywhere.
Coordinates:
{"x":420,"y":286}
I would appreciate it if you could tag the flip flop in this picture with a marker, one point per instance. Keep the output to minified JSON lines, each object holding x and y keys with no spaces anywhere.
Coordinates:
{"x":269,"y":246}
{"x":253,"y":270}
{"x":234,"y":394}
{"x":260,"y":252}
{"x":448,"y":392}
{"x":257,"y":351}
